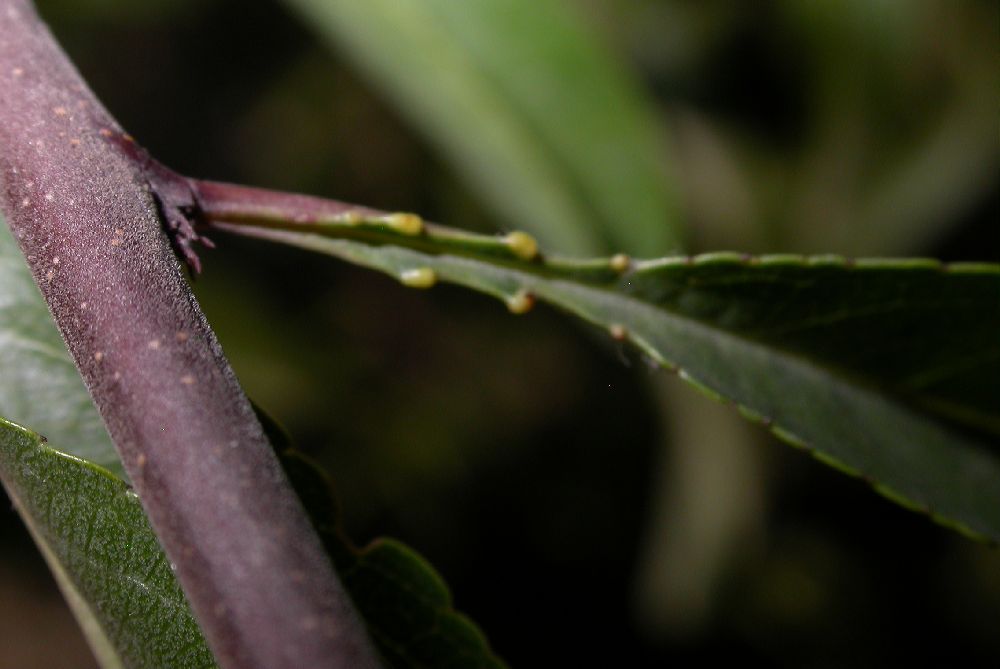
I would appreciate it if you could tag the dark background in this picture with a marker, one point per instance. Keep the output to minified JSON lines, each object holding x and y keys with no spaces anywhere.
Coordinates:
{"x":523,"y":455}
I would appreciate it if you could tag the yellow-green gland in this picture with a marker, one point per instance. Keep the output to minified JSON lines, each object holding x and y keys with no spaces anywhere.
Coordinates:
{"x":620,"y":262}
{"x":520,"y":302}
{"x":351,"y":218}
{"x":420,"y":277}
{"x":405,"y":224}
{"x":522,"y":245}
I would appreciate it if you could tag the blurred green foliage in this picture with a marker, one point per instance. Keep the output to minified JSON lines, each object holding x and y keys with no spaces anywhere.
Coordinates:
{"x":515,"y":453}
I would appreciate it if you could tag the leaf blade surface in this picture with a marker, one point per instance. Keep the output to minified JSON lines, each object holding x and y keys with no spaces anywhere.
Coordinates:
{"x":886,"y":369}
{"x":95,"y":537}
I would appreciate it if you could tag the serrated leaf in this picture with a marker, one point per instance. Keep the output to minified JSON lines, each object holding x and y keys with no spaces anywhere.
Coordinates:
{"x":39,"y":384}
{"x":93,"y":533}
{"x":406,"y":605}
{"x":886,"y":369}
{"x":549,"y":128}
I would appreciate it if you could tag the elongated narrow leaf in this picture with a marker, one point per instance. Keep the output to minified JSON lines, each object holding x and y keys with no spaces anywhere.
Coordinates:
{"x":546,"y":124}
{"x":39,"y":385}
{"x":889,"y":370}
{"x":92,"y":531}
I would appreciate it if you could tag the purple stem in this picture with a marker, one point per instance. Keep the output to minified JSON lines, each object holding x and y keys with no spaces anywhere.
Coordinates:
{"x":230,"y":202}
{"x":86,"y":206}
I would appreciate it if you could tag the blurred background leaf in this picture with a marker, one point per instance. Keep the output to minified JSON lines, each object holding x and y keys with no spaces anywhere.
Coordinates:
{"x":787,"y":128}
{"x":550,"y":129}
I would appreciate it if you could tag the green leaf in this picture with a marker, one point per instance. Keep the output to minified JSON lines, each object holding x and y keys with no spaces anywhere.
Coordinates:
{"x":39,"y":384}
{"x":886,"y":369}
{"x":93,"y":533}
{"x":406,"y":605}
{"x":97,"y":541}
{"x":546,"y":124}
{"x":89,"y":527}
